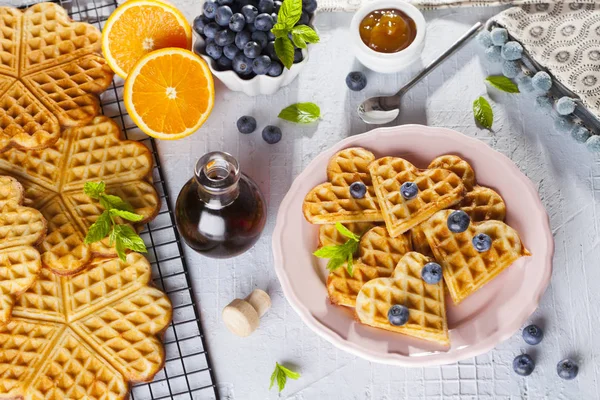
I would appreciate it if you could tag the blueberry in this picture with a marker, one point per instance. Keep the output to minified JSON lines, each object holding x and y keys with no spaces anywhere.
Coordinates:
{"x":533,"y":334}
{"x":275,"y":69}
{"x":398,"y":315}
{"x":274,"y":16}
{"x":524,"y":84}
{"x":276,"y":6}
{"x":230,"y":51}
{"x":458,"y":221}
{"x":224,"y":37}
{"x":511,"y":69}
{"x":309,"y":6}
{"x":563,"y":124}
{"x":484,"y":38}
{"x":541,"y":81}
{"x":211,"y":29}
{"x":567,"y":369}
{"x":210,"y":9}
{"x":409,"y":190}
{"x":494,"y":53}
{"x":252,"y":49}
{"x":270,"y":51}
{"x":271,"y":134}
{"x":432,"y":273}
{"x":213,"y":50}
{"x":263,"y":22}
{"x":544,"y":104}
{"x":356,"y":81}
{"x":223,"y":15}
{"x":242,"y":65}
{"x":225,"y":2}
{"x":224,"y":63}
{"x":266,"y":6}
{"x":565,"y":105}
{"x":499,"y":36}
{"x":199,"y":23}
{"x":250,"y":12}
{"x":271,"y":36}
{"x":237,"y":22}
{"x":241,"y":38}
{"x":260,"y":37}
{"x":304,"y":18}
{"x":358,"y":190}
{"x":482,"y":242}
{"x":593,"y":143}
{"x":246,"y":124}
{"x":523,"y":365}
{"x":580,"y":133}
{"x":298,"y":57}
{"x":261,"y":65}
{"x":251,"y":27}
{"x":512,"y":51}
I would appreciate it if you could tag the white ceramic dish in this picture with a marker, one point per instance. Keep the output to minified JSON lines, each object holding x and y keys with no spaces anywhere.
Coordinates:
{"x":387,"y":62}
{"x":480,"y":322}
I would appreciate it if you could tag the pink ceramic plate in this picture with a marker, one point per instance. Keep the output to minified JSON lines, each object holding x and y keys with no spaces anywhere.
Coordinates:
{"x":483,"y":320}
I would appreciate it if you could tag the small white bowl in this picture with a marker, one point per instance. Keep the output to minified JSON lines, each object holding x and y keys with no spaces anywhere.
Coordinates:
{"x":260,"y":84}
{"x":387,"y":62}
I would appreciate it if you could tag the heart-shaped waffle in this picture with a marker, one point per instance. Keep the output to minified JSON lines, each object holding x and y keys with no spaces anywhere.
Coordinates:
{"x":425,"y":302}
{"x":21,"y":228}
{"x":437,"y":189}
{"x":331,"y":202}
{"x":50,"y":75}
{"x":330,"y":236}
{"x":378,"y":255}
{"x":465,"y":269}
{"x":85,"y":336}
{"x":54,"y":178}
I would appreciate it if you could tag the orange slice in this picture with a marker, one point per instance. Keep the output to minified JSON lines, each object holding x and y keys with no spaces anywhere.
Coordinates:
{"x":138,"y":27}
{"x":169,"y":93}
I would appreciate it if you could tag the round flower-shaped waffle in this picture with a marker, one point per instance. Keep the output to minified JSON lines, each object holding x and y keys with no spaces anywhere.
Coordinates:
{"x":85,"y":336}
{"x":21,"y":228}
{"x":50,"y":75}
{"x":54,"y":178}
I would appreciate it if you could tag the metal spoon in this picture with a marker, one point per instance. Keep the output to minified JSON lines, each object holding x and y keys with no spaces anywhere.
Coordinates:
{"x":381,"y":110}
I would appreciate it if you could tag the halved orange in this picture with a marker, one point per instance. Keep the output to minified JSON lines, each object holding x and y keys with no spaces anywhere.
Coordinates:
{"x":138,"y":27}
{"x":169,"y":93}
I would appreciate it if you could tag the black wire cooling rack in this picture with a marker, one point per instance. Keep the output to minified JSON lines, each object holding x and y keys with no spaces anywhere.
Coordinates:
{"x":188,"y":372}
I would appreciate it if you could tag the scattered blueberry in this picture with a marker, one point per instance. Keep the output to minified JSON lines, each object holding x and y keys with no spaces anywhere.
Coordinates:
{"x":224,"y":63}
{"x":260,"y":37}
{"x":356,"y":81}
{"x":409,"y":190}
{"x":276,"y":6}
{"x":213,"y":50}
{"x":484,"y":38}
{"x":511,"y":69}
{"x":298,"y":57}
{"x":533,"y":334}
{"x":224,"y":37}
{"x":563,"y":124}
{"x":565,"y":105}
{"x":263,"y":22}
{"x":398,"y":315}
{"x":271,"y":134}
{"x":242,"y":65}
{"x":304,"y":18}
{"x":358,"y":190}
{"x":512,"y":51}
{"x":593,"y":143}
{"x":523,"y":365}
{"x":223,"y":15}
{"x":544,"y":104}
{"x":482,"y":242}
{"x":199,"y":23}
{"x":499,"y":36}
{"x":225,"y":2}
{"x":211,"y":29}
{"x":246,"y":124}
{"x":494,"y":53}
{"x":230,"y":51}
{"x":250,"y":12}
{"x":432,"y":273}
{"x":309,"y":6}
{"x":567,"y":369}
{"x":266,"y":6}
{"x":580,"y":133}
{"x":541,"y":81}
{"x":524,"y":84}
{"x":210,"y":9}
{"x":261,"y":65}
{"x":241,"y":38}
{"x":275,"y":69}
{"x":237,"y":22}
{"x":458,"y":221}
{"x":252,"y":49}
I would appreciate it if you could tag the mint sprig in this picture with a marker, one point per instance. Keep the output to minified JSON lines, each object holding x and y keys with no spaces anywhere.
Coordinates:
{"x":340,"y":254}
{"x":301,"y":113}
{"x":483,"y":112}
{"x":280,"y":375}
{"x":119,"y":235}
{"x":287,"y":17}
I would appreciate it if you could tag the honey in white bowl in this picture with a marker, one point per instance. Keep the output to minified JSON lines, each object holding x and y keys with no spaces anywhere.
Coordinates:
{"x":387,"y":30}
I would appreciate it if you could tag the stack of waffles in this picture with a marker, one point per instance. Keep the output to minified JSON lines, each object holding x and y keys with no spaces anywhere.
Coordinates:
{"x":75,"y":321}
{"x":399,"y":236}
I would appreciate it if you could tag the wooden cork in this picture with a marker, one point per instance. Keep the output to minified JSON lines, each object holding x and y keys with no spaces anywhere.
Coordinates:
{"x":242,"y":317}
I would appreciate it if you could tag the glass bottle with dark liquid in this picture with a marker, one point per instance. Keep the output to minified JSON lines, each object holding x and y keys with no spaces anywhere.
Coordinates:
{"x":220,"y":212}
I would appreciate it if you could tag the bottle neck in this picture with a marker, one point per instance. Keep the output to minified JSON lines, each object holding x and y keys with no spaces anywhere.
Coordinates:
{"x":217,"y":175}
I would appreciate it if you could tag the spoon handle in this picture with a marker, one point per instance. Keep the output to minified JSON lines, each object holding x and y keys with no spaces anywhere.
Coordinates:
{"x":457,"y":45}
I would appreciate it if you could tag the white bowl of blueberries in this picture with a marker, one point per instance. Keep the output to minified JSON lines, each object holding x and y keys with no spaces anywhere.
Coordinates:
{"x":235,"y":39}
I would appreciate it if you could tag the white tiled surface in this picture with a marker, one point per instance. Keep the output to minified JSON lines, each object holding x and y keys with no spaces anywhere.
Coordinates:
{"x":568,"y":178}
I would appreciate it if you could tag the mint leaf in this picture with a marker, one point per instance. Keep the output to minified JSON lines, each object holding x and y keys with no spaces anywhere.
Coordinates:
{"x":340,"y":254}
{"x":346,"y":232}
{"x":335,"y":262}
{"x":289,"y":13}
{"x":273,"y":376}
{"x":127,"y":215}
{"x":280,"y":374}
{"x":349,"y":266}
{"x":129,"y":238}
{"x":483,"y":113}
{"x":501,"y":82}
{"x":99,"y":229}
{"x":120,"y":248}
{"x":279,"y":30}
{"x":289,"y":373}
{"x":301,"y":113}
{"x":285,"y":50}
{"x":94,"y":189}
{"x":328,"y":251}
{"x":109,"y":201}
{"x":306,"y":33}
{"x":298,"y":41}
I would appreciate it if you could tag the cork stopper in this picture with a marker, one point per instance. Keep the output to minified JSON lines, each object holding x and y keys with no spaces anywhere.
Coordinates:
{"x":242,"y":317}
